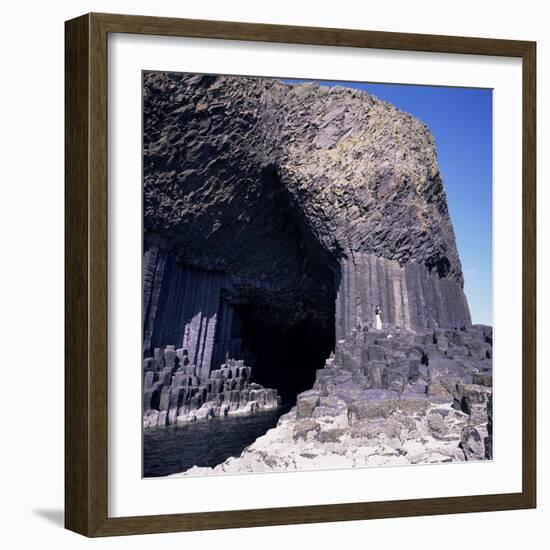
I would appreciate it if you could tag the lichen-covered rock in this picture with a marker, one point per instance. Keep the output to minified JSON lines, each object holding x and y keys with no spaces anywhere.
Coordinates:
{"x":438,"y":393}
{"x":373,"y":404}
{"x":304,"y":427}
{"x":306,"y":403}
{"x":413,"y":403}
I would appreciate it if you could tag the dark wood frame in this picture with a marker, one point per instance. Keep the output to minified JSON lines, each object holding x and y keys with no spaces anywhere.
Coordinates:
{"x":86,"y":274}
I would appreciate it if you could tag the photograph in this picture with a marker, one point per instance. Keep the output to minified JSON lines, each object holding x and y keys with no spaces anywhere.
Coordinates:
{"x":317,"y":274}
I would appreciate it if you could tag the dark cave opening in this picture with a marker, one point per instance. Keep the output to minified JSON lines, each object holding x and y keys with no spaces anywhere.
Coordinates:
{"x":285,"y":357}
{"x":286,"y":335}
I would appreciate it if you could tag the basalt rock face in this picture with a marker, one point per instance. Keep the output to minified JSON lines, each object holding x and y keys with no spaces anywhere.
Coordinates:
{"x":288,"y":210}
{"x":175,"y":390}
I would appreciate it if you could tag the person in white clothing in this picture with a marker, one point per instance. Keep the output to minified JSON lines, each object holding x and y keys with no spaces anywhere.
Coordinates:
{"x":378,"y":318}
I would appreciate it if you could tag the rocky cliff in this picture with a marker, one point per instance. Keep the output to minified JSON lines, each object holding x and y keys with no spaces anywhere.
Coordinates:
{"x":277,"y":217}
{"x":298,"y":191}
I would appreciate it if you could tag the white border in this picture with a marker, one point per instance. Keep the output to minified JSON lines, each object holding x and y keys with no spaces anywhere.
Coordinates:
{"x":129,"y":494}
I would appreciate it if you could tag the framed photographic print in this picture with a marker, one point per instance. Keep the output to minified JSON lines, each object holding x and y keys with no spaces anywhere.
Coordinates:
{"x":300,"y":275}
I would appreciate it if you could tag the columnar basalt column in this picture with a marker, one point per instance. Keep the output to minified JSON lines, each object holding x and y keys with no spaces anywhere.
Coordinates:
{"x":181,"y":304}
{"x":368,"y":281}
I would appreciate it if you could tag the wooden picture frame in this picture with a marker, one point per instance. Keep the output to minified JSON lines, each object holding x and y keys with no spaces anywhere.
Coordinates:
{"x":86,"y":283}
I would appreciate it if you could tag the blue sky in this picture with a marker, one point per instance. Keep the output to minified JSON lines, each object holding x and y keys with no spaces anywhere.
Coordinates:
{"x":461,"y":122}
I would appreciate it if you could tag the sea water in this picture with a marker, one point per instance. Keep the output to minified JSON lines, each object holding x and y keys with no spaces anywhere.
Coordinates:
{"x":174,"y":449}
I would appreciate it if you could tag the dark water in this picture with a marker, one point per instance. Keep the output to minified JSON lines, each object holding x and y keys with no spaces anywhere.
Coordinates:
{"x":174,"y":449}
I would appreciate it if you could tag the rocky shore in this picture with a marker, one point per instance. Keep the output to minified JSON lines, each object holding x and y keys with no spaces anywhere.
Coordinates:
{"x":386,"y":398}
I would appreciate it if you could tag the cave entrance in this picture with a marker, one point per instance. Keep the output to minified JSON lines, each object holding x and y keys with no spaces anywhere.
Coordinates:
{"x":286,"y":327}
{"x":285,"y":357}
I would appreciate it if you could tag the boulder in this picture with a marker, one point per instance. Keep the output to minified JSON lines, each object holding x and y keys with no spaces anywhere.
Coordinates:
{"x":375,"y":428}
{"x":374,"y":353}
{"x":483,"y":379}
{"x":474,"y":400}
{"x":443,"y":425}
{"x":373,"y":404}
{"x":304,"y":427}
{"x":330,"y":406}
{"x":150,"y":364}
{"x":419,"y":387}
{"x":448,"y":372}
{"x":413,"y":404}
{"x":149,"y":378}
{"x":475,"y":443}
{"x":375,"y":373}
{"x":480,"y":350}
{"x":330,"y":436}
{"x":150,"y":418}
{"x":414,"y":353}
{"x":442,"y":344}
{"x":170,"y":358}
{"x":437,"y":393}
{"x":457,"y":351}
{"x":158,"y":354}
{"x":348,"y":392}
{"x":306,"y":403}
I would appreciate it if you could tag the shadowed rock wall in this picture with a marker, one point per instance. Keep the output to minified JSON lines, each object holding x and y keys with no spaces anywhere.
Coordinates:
{"x":181,"y":305}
